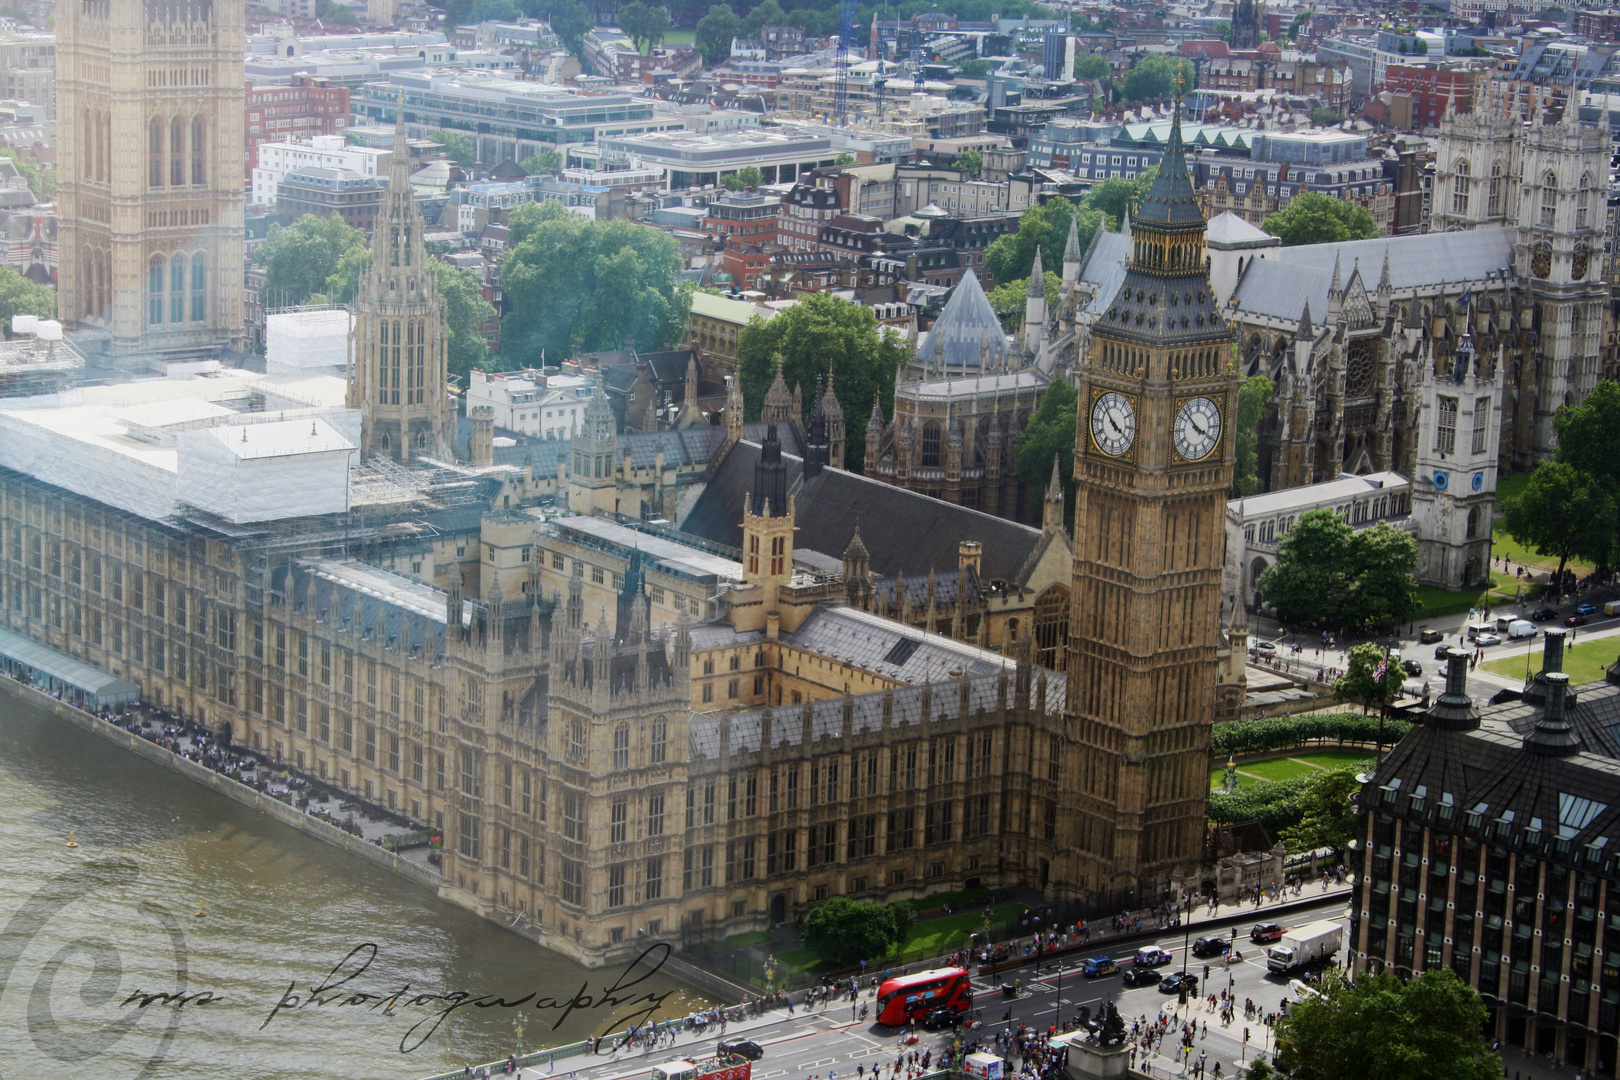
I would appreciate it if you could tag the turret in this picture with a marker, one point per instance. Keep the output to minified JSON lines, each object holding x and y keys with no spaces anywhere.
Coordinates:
{"x":1035,"y":307}
{"x":452,"y":603}
{"x":481,"y":443}
{"x":734,"y":410}
{"x":835,"y":425}
{"x":1052,"y":512}
{"x":778,"y":399}
{"x":874,"y":435}
{"x":1072,"y":254}
{"x":857,"y":572}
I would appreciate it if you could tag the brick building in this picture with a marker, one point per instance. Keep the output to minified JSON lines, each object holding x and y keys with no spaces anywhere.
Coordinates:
{"x":310,"y":105}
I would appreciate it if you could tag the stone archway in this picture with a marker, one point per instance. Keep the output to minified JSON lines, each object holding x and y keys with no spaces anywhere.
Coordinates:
{"x":778,"y":909}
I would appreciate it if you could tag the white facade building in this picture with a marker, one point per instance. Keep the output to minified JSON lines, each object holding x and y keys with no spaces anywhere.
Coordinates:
{"x":277,"y":159}
{"x":1454,"y":491}
{"x":545,"y":406}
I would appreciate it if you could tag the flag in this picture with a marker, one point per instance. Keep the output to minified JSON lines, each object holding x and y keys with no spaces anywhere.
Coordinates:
{"x":1462,"y":301}
{"x":1378,"y":672}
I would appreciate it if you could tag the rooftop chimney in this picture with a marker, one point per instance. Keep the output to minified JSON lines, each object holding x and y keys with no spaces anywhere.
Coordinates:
{"x":1455,"y":710}
{"x":1552,"y":660}
{"x":1553,"y":736}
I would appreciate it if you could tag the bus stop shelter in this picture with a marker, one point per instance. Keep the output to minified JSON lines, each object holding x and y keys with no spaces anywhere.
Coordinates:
{"x":63,"y":676}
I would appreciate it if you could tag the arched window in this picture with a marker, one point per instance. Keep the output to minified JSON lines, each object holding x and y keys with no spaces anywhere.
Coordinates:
{"x":198,"y":142}
{"x":177,"y":152}
{"x":1495,"y":206}
{"x":1582,"y":200}
{"x":393,"y":245}
{"x":621,"y":744}
{"x":1549,"y":200}
{"x":154,"y":153}
{"x":177,"y":289}
{"x":419,"y":362}
{"x":199,"y":287}
{"x":659,"y":749}
{"x":154,"y":291}
{"x":930,"y":445}
{"x":1473,"y":523}
{"x":1051,"y":626}
{"x":88,"y":139}
{"x":1459,"y":189}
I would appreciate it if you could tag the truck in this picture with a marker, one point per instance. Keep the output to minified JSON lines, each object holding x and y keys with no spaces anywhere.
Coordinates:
{"x":729,"y":1067}
{"x":1305,"y":945}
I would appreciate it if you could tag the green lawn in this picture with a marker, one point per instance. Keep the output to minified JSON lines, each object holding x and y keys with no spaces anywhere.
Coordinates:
{"x":942,"y":935}
{"x":1287,"y":767}
{"x":1507,"y":489}
{"x":680,"y":37}
{"x":1585,"y":661}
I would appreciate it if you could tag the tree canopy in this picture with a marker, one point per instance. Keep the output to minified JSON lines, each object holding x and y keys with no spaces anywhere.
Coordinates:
{"x":645,"y":25}
{"x":570,"y":20}
{"x":971,"y":162}
{"x":1588,"y":441}
{"x":1385,"y":1028}
{"x":1328,"y":573}
{"x":1313,"y":218}
{"x":574,"y":283}
{"x":1563,"y":511}
{"x":843,"y":932}
{"x":1253,"y":396}
{"x":746,"y":178}
{"x":459,"y":148}
{"x":1049,"y":435}
{"x":974,"y":68}
{"x":1091,"y":66}
{"x":714,"y":33}
{"x":823,"y":333}
{"x":1156,"y":77}
{"x":547,"y":162}
{"x":1047,"y":227}
{"x":19,"y":296}
{"x":1362,"y":682}
{"x":1328,"y":816}
{"x":1008,"y":300}
{"x":299,"y":258}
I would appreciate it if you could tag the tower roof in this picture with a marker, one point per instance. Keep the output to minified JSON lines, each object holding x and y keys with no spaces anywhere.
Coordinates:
{"x":961,"y":329}
{"x":778,"y":396}
{"x":1071,"y":250}
{"x":1037,"y":278}
{"x":1171,"y":201}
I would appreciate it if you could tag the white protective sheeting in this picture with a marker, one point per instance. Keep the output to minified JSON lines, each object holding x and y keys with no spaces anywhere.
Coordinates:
{"x":86,"y":450}
{"x":302,"y":342}
{"x":266,"y":471}
{"x":288,"y":392}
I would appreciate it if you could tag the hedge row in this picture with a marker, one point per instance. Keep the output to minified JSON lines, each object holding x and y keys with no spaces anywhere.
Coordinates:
{"x":1288,"y":732}
{"x":1274,"y":805}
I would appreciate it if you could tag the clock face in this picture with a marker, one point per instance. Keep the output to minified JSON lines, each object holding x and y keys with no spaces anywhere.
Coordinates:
{"x":1441,"y":480}
{"x":1113,"y":423}
{"x":1197,"y":429}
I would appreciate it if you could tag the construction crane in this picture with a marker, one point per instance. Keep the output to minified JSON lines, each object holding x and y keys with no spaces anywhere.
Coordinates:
{"x":846,"y":35}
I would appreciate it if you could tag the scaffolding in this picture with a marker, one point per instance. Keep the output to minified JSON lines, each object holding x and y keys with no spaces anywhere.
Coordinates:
{"x":31,"y":366}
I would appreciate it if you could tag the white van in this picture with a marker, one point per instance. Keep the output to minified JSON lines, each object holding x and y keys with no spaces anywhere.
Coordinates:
{"x":1521,"y":628}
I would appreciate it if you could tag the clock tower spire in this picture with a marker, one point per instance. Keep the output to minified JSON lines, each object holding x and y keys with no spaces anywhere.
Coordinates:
{"x":1153,"y":457}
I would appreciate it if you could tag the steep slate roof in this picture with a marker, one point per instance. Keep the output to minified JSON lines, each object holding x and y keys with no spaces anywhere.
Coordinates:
{"x":967,"y":321}
{"x":1104,"y":267}
{"x":1279,"y":285}
{"x":905,"y":532}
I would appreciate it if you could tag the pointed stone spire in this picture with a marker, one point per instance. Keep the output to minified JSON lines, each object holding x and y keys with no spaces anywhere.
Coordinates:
{"x":778,"y":401}
{"x":1383,"y":275}
{"x":1125,"y":225}
{"x":1305,"y":332}
{"x":874,"y":425}
{"x":1071,"y":250}
{"x":1052,"y":515}
{"x":1037,"y":278}
{"x":1335,"y":287}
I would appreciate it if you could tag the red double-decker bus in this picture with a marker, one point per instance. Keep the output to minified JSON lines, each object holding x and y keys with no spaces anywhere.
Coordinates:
{"x":908,"y":997}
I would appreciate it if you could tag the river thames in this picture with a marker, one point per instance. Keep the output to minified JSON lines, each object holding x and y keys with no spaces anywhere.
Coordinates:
{"x":83,"y":929}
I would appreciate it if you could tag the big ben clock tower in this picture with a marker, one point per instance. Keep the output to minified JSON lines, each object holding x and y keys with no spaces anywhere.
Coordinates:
{"x":1153,"y":454}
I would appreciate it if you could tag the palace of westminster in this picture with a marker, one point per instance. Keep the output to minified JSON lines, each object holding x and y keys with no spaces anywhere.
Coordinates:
{"x":682,"y":681}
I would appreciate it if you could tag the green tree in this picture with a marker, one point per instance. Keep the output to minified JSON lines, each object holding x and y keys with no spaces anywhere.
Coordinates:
{"x":1253,"y":397}
{"x":569,"y":20}
{"x":974,"y":68}
{"x":714,"y":33}
{"x":767,"y":13}
{"x":1008,"y":300}
{"x":1361,"y":681}
{"x":1312,"y":218}
{"x":1385,"y":1028}
{"x":844,"y":159}
{"x":1309,"y":576}
{"x":746,"y":178}
{"x":1328,"y":816}
{"x":1050,"y":435}
{"x":1564,"y":511}
{"x":461,"y":303}
{"x":1117,"y":194}
{"x":298,"y":258}
{"x":1091,"y":66}
{"x":546,"y":162}
{"x":329,"y":12}
{"x":1326,"y":117}
{"x":823,"y":333}
{"x":1381,"y":591}
{"x":1589,"y":439}
{"x":41,"y":180}
{"x":843,"y":932}
{"x":1156,"y":77}
{"x":1223,"y":30}
{"x":574,"y":283}
{"x":1046,"y":226}
{"x":457,"y":147}
{"x":19,"y":296}
{"x":971,"y":162}
{"x":645,"y":25}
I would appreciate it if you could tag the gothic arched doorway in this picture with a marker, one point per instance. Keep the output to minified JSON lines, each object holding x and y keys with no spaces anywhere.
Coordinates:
{"x":1051,"y":626}
{"x":778,"y":909}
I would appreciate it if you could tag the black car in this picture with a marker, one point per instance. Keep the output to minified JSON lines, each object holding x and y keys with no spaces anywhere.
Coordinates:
{"x":1177,"y":981}
{"x":1412,"y":667}
{"x":1211,"y":946}
{"x":1545,"y":614}
{"x":743,"y":1048}
{"x":1140,"y":976}
{"x":942,"y":1017}
{"x":1441,"y":650}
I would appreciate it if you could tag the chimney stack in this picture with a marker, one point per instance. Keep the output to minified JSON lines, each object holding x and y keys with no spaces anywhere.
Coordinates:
{"x":1553,"y":736}
{"x":1455,"y":710}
